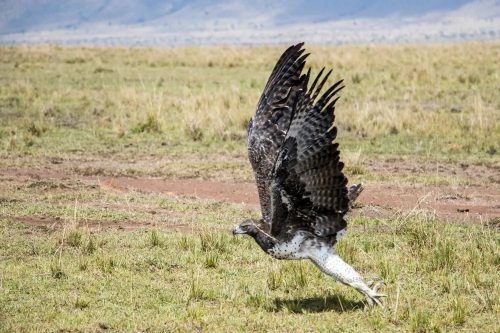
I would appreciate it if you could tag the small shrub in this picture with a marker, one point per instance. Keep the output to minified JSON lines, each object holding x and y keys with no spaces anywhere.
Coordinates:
{"x":74,"y":238}
{"x":56,"y":270}
{"x":91,"y":246}
{"x":154,"y":238}
{"x":214,"y":242}
{"x":35,"y":129}
{"x":186,"y":243}
{"x":420,"y":320}
{"x":443,"y":256}
{"x":460,"y":311}
{"x":211,"y":260}
{"x":81,"y":303}
{"x":274,"y":280}
{"x":194,"y":131}
{"x":150,"y":125}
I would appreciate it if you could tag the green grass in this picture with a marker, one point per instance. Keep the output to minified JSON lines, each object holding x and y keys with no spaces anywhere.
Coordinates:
{"x":74,"y":277}
{"x":439,"y":278}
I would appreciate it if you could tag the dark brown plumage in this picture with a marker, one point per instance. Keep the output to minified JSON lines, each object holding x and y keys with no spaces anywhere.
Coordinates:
{"x":267,"y":128}
{"x":302,"y":190}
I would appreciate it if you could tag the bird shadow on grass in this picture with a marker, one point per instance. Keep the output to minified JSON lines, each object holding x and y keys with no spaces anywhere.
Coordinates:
{"x":329,"y":303}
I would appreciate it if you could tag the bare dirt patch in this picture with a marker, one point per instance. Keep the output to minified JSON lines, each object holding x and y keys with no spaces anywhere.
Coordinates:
{"x":461,"y":172}
{"x":447,"y":203}
{"x":457,"y":203}
{"x":244,"y":193}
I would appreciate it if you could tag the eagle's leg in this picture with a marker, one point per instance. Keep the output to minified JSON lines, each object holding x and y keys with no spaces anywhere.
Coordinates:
{"x":333,"y":265}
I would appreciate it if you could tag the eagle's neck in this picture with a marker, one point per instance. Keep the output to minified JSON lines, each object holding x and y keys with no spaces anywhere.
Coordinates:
{"x":264,"y":240}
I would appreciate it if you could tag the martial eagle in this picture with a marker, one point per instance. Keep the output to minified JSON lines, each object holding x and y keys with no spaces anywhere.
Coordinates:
{"x":302,"y":190}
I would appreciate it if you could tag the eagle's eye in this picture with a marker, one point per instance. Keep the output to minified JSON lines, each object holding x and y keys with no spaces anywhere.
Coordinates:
{"x":239,"y":230}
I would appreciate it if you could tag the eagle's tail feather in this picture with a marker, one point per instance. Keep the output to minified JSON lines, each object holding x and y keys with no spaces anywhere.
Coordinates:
{"x":353,"y":193}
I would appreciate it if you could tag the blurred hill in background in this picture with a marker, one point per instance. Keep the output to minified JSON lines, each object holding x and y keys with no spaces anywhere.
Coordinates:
{"x":193,"y":22}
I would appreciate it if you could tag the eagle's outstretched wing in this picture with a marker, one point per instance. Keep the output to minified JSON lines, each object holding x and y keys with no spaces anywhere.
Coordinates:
{"x":267,"y":129}
{"x":309,"y":189}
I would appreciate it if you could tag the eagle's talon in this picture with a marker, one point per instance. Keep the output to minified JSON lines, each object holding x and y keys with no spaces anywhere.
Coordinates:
{"x":373,"y":297}
{"x":378,"y":285}
{"x":370,"y":293}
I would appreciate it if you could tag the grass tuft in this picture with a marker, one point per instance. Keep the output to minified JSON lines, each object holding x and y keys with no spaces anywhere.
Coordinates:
{"x":36,"y":129}
{"x":56,"y":270}
{"x":187,"y":243}
{"x":154,"y":238}
{"x":194,"y":131}
{"x":90,"y":246}
{"x":106,"y":263}
{"x":421,"y":321}
{"x":274,"y":280}
{"x":81,"y":303}
{"x":443,"y":256}
{"x":214,"y":242}
{"x":299,"y":276}
{"x":150,"y":125}
{"x":211,"y":260}
{"x":460,"y":311}
{"x":74,"y":238}
{"x":256,"y":299}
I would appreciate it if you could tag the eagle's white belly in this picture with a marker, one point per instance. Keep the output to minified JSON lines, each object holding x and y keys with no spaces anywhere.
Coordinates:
{"x":302,"y":246}
{"x":292,"y":249}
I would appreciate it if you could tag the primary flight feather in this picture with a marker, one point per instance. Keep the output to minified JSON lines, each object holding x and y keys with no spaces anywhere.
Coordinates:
{"x":302,"y":190}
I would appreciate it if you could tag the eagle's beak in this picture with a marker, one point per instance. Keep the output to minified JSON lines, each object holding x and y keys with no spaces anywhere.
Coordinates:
{"x":238,"y":230}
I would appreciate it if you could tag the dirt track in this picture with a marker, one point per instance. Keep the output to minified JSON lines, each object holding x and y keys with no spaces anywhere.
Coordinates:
{"x":446,"y":203}
{"x":473,"y":203}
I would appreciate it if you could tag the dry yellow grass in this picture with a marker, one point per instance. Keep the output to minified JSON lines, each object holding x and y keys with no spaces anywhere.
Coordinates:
{"x":438,"y":101}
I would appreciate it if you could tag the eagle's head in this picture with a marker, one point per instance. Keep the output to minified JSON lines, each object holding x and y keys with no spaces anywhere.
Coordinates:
{"x":247,"y":227}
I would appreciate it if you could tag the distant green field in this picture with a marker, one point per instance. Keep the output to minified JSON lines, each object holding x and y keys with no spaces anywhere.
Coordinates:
{"x":76,"y":256}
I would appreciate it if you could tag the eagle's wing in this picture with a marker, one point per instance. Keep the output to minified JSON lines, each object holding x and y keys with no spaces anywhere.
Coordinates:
{"x":309,"y":190}
{"x":266,"y":130}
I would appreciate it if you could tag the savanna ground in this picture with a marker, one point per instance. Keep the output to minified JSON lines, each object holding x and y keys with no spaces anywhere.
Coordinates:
{"x":123,"y":170}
